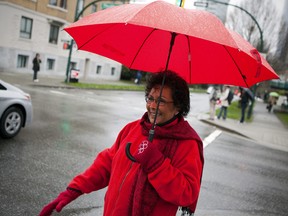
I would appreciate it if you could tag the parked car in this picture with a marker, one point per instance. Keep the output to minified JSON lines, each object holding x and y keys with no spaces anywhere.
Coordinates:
{"x":16,"y":110}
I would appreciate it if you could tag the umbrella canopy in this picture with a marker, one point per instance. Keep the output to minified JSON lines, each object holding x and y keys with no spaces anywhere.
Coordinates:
{"x":273,"y":94}
{"x":158,"y":36}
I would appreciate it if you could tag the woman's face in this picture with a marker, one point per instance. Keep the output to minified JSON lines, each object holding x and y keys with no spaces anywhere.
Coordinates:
{"x":166,"y":111}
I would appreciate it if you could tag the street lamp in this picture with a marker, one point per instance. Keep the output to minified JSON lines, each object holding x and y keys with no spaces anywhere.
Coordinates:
{"x":77,"y":16}
{"x":260,"y":48}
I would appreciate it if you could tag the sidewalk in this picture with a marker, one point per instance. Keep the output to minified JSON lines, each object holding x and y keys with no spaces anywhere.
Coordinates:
{"x":48,"y":80}
{"x":266,"y":129}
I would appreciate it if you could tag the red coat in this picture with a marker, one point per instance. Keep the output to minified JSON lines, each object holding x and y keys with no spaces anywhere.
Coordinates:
{"x":176,"y":182}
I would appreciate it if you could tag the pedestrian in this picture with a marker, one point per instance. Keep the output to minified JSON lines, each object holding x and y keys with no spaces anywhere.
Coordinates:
{"x":266,"y":96}
{"x":167,"y":170}
{"x":213,"y":98}
{"x":244,"y":102}
{"x":36,"y":66}
{"x":271,"y":101}
{"x":224,"y":102}
{"x":138,"y":78}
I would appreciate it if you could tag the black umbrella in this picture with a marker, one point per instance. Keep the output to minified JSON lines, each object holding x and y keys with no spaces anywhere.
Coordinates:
{"x":249,"y":93}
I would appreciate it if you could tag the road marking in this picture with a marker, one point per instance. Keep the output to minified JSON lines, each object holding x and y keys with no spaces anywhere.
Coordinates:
{"x":58,"y":92}
{"x":209,"y":139}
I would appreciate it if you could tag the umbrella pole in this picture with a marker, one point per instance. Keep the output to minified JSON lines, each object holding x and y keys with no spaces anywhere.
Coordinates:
{"x":151,"y":132}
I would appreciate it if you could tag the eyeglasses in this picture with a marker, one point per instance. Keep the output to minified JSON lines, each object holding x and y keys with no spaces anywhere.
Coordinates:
{"x":162,"y":102}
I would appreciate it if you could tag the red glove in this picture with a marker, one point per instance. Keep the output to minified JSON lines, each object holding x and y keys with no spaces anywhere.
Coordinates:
{"x":149,"y":156}
{"x":62,"y":200}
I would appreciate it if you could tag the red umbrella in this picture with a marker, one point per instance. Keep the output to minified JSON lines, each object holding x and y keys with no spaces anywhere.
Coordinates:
{"x":250,"y":61}
{"x":158,"y":36}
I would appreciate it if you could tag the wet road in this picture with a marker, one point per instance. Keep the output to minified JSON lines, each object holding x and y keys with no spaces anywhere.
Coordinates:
{"x":242,"y":178}
{"x":71,"y":126}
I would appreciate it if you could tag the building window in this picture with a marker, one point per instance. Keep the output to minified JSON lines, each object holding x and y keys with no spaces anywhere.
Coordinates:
{"x":63,"y":4}
{"x":26,"y":27}
{"x":113,"y":71}
{"x":54,"y":31}
{"x":22,"y":61}
{"x":93,"y":8}
{"x":98,"y":70}
{"x":53,"y":2}
{"x":50,"y":64}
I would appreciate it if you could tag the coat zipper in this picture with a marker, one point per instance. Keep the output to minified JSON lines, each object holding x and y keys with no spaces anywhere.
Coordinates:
{"x":123,"y":180}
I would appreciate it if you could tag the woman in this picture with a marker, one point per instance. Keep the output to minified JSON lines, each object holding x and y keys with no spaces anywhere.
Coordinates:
{"x":224,"y":103}
{"x":167,"y":172}
{"x":213,"y":98}
{"x":36,"y":66}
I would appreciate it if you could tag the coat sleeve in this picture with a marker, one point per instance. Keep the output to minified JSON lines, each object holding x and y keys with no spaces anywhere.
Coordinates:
{"x":97,"y":176}
{"x":178,"y":181}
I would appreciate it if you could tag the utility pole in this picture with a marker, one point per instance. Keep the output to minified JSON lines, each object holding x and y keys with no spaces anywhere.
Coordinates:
{"x":71,"y":46}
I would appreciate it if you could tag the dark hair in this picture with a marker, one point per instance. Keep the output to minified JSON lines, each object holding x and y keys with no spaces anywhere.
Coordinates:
{"x":178,"y":86}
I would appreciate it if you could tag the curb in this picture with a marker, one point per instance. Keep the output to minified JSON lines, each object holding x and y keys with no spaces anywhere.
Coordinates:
{"x":53,"y":86}
{"x":225,"y":128}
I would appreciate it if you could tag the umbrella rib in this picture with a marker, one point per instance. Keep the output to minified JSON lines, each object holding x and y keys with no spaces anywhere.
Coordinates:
{"x":243,"y":76}
{"x":144,"y":41}
{"x":189,"y":59}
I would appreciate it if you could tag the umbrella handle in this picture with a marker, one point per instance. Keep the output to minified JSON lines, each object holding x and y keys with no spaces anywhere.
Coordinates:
{"x":127,"y":149}
{"x":151,"y":135}
{"x":128,"y":154}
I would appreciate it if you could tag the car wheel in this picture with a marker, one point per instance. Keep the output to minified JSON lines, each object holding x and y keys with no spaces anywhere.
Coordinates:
{"x":11,"y":122}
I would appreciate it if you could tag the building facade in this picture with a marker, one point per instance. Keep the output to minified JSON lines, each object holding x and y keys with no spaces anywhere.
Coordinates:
{"x":28,"y":27}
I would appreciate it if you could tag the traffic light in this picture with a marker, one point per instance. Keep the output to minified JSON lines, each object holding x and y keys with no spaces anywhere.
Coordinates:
{"x":66,"y":45}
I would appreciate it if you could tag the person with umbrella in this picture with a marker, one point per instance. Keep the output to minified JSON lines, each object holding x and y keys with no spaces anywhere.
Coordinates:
{"x":245,"y":96}
{"x":160,"y":174}
{"x":166,"y":171}
{"x":273,"y":97}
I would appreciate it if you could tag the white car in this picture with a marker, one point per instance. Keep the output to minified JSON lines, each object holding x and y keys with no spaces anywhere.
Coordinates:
{"x":16,"y":110}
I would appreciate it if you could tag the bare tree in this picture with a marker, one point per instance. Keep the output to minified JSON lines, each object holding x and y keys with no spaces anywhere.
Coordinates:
{"x":274,"y":29}
{"x":278,"y":59}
